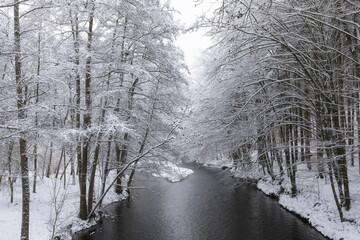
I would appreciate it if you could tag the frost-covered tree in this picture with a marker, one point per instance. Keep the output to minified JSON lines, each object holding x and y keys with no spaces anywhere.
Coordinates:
{"x":284,"y":78}
{"x":87,"y":86}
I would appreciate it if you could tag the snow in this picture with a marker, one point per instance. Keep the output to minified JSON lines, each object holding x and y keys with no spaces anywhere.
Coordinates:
{"x":322,"y":216}
{"x":314,"y":202}
{"x":51,"y":196}
{"x":168,"y":170}
{"x":268,"y":188}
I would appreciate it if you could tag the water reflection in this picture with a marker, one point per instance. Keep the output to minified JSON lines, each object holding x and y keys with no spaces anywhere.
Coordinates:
{"x":203,"y":206}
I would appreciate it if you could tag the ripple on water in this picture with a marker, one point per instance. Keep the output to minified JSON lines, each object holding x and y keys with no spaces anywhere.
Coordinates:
{"x":202,"y":206}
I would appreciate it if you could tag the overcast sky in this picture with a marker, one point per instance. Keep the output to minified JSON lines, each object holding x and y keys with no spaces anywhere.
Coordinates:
{"x":192,"y":43}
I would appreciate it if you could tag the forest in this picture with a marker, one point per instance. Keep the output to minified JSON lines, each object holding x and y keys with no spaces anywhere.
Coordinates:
{"x":281,"y":96}
{"x":92,"y":90}
{"x":87,"y":87}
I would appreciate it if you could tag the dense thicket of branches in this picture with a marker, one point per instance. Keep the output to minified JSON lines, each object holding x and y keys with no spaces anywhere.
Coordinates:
{"x":283,"y":82}
{"x":90,"y":83}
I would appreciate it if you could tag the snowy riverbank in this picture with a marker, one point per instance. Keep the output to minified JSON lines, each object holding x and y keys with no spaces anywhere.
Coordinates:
{"x":314,"y":202}
{"x":170,"y":171}
{"x":54,"y":207}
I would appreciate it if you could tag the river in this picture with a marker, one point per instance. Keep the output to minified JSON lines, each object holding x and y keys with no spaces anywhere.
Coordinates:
{"x":204,"y":206}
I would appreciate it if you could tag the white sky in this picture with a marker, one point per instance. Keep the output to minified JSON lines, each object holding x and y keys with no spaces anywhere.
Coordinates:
{"x":192,"y":43}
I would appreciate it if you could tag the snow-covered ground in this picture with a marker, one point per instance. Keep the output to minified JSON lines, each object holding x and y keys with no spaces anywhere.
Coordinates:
{"x":51,"y":197}
{"x":165,"y":169}
{"x":315,"y":202}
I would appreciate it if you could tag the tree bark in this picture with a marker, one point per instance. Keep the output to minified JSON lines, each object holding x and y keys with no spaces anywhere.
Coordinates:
{"x":289,"y":161}
{"x":338,"y":206}
{"x":106,"y":168}
{"x":36,"y":113}
{"x":62,"y":155}
{"x":11,"y":178}
{"x":118,"y":150}
{"x":21,"y":116}
{"x":48,"y":171}
{"x":87,"y":117}
{"x":95,"y":161}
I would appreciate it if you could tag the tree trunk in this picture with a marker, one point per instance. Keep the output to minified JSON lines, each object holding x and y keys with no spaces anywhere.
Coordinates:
{"x":340,"y":148}
{"x":11,"y":178}
{"x":35,"y":167}
{"x":106,"y":168}
{"x":72,"y":170}
{"x":95,"y":161}
{"x":44,"y":163}
{"x":142,"y":146}
{"x":87,"y":117}
{"x":92,"y":177}
{"x":60,"y":160}
{"x":293,"y":159}
{"x":319,"y":133}
{"x":341,"y":126}
{"x":320,"y":159}
{"x":36,"y":113}
{"x":64,"y":172}
{"x":307,"y":136}
{"x":48,"y":171}
{"x":21,"y":116}
{"x":289,"y":155}
{"x":76,"y":41}
{"x":338,"y":206}
{"x":118,"y":186}
{"x":278,"y":154}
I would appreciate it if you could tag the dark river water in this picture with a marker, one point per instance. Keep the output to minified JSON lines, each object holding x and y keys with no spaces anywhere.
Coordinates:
{"x":204,"y":206}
